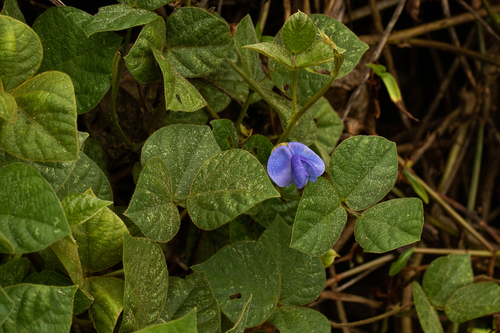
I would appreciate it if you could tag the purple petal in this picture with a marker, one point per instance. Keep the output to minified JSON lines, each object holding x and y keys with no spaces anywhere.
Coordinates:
{"x":301,"y":149}
{"x":299,"y":172}
{"x":279,"y":166}
{"x":311,"y":170}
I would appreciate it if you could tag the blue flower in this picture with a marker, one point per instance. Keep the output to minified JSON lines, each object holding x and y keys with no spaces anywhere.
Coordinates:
{"x":294,"y":162}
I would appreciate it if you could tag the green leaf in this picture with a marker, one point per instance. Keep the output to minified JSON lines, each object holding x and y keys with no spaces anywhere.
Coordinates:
{"x":8,"y":107}
{"x":6,"y":306}
{"x":152,"y":206}
{"x":473,"y":301}
{"x":390,"y":224}
{"x":318,"y":53}
{"x":67,"y":252}
{"x":389,"y":82}
{"x":21,"y":52}
{"x":14,"y":272}
{"x":140,"y":60}
{"x":421,"y":192}
{"x":45,"y":129}
{"x":82,"y":300}
{"x":217,"y":100}
{"x":305,"y":131}
{"x":269,"y":208}
{"x":320,"y":219}
{"x":238,"y":271}
{"x":79,"y":207}
{"x":108,"y":301}
{"x":241,"y":228}
{"x":363,"y":170}
{"x":11,"y":8}
{"x":118,"y":17}
{"x":263,"y":147}
{"x":290,"y":319}
{"x":146,"y":4}
{"x":146,"y":283}
{"x":328,"y":258}
{"x":446,"y":275}
{"x":225,"y":134}
{"x":84,"y":174}
{"x":199,"y":117}
{"x":298,"y":32}
{"x":100,"y":241}
{"x":31,"y":217}
{"x":250,"y":61}
{"x":427,"y":315}
{"x":184,"y":149}
{"x":227,"y":185}
{"x":328,"y":123}
{"x":197,"y":42}
{"x":239,"y":326}
{"x":399,"y":264}
{"x":273,"y":51}
{"x":180,"y":95}
{"x":66,"y":48}
{"x":192,"y":293}
{"x":302,"y":276}
{"x":186,"y":324}
{"x":39,"y":309}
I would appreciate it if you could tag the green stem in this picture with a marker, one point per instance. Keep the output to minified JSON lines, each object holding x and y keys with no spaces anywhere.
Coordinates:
{"x":350,"y":210}
{"x":288,"y":195}
{"x":244,"y":110}
{"x":211,"y":112}
{"x":115,"y":273}
{"x":444,"y":252}
{"x":294,"y":91}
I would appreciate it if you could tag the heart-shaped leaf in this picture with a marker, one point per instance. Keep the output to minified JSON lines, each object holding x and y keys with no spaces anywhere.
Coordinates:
{"x":298,"y":32}
{"x":79,"y":207}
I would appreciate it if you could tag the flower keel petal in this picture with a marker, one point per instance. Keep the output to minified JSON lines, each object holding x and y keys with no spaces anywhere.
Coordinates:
{"x":299,"y":172}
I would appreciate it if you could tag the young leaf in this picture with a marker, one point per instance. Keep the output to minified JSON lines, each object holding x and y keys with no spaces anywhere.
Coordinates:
{"x":8,"y":107}
{"x":328,"y":258}
{"x":145,"y":4}
{"x":192,"y":293}
{"x":399,"y":264}
{"x":317,"y":54}
{"x":31,"y":217}
{"x":389,"y":82}
{"x":427,"y":315}
{"x":14,"y":272}
{"x":473,"y":301}
{"x":416,"y":186}
{"x":291,"y":319}
{"x":238,"y":271}
{"x":298,"y":32}
{"x":390,"y":224}
{"x":146,"y":282}
{"x":21,"y":52}
{"x":320,"y":219}
{"x":363,"y":170}
{"x":152,"y":206}
{"x":79,"y":207}
{"x":45,"y":129}
{"x":239,"y":326}
{"x":273,"y":51}
{"x":302,"y":276}
{"x":118,"y":17}
{"x":446,"y":275}
{"x":227,"y":185}
{"x":66,"y":48}
{"x":184,"y":149}
{"x":11,"y":8}
{"x":108,"y":301}
{"x":186,"y":324}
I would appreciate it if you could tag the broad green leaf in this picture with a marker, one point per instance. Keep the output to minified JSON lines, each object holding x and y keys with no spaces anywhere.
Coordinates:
{"x":66,"y":48}
{"x":318,"y":53}
{"x":146,"y":4}
{"x":108,"y":301}
{"x":146,"y":283}
{"x":31,"y":217}
{"x":320,"y":219}
{"x":140,"y":60}
{"x":184,"y":149}
{"x":302,"y":276}
{"x":269,"y":208}
{"x":263,"y":147}
{"x":197,"y":42}
{"x":305,"y":131}
{"x":186,"y":324}
{"x":152,"y":206}
{"x":8,"y":107}
{"x":79,"y":207}
{"x":192,"y":293}
{"x":427,"y":315}
{"x":298,"y":32}
{"x":11,"y":8}
{"x":180,"y":95}
{"x":199,"y":117}
{"x":100,"y":241}
{"x":238,"y":271}
{"x":39,"y":309}
{"x":473,"y":301}
{"x":250,"y":61}
{"x":14,"y":272}
{"x":21,"y":52}
{"x":6,"y":306}
{"x":92,"y":148}
{"x":82,"y":300}
{"x":363,"y":170}
{"x":225,"y":134}
{"x":213,"y":241}
{"x":67,"y":252}
{"x":217,"y":100}
{"x":390,"y":224}
{"x":389,"y":82}
{"x":84,"y":174}
{"x":399,"y":264}
{"x":328,"y":123}
{"x":239,"y":326}
{"x":446,"y":275}
{"x":227,"y":185}
{"x":241,"y":228}
{"x":118,"y":17}
{"x":290,"y":319}
{"x":45,"y":129}
{"x":273,"y":51}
